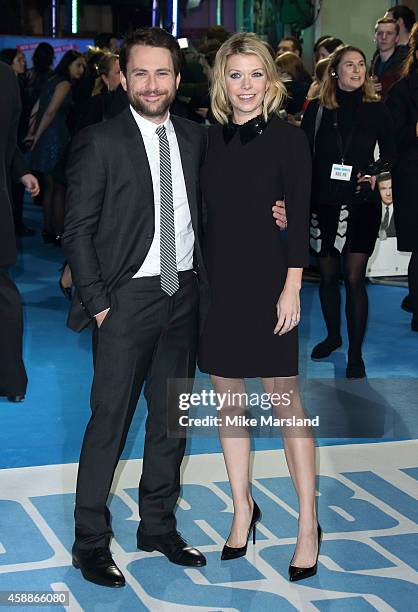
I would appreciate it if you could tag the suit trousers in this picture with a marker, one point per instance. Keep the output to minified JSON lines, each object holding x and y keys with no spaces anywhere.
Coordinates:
{"x":13,"y":379}
{"x":147,"y":337}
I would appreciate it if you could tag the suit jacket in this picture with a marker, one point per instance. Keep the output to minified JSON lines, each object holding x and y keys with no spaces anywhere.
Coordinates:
{"x":109,"y":221}
{"x":403,"y":104}
{"x":391,"y":229}
{"x":12,"y":164}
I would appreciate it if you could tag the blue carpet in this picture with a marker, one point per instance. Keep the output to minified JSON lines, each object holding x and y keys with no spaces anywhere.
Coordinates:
{"x":52,"y":419}
{"x":368,"y":492}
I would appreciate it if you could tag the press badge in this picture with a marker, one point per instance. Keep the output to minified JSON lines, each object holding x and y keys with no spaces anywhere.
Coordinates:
{"x":341,"y":172}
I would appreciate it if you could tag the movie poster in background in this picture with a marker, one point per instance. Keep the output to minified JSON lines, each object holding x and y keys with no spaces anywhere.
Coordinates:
{"x":386,"y":260}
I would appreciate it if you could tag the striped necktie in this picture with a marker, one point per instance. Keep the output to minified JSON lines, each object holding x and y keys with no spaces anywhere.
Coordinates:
{"x":168,"y":261}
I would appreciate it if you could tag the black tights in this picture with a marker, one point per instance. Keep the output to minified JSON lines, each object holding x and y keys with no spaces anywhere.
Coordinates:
{"x":413,"y":282}
{"x":356,"y":305}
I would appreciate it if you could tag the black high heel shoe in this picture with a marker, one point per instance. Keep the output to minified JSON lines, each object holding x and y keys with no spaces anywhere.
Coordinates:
{"x":229,"y":552}
{"x":300,"y":573}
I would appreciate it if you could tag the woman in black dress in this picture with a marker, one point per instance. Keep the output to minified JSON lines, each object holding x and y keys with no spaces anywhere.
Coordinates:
{"x":403,"y":104}
{"x":49,"y":138}
{"x":343,"y":127}
{"x":255,"y":273}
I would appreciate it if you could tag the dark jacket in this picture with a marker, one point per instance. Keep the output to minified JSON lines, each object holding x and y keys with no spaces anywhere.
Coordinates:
{"x":12,"y":164}
{"x":403,"y":105}
{"x":109,"y":222}
{"x":369,"y":122}
{"x":388,"y":72}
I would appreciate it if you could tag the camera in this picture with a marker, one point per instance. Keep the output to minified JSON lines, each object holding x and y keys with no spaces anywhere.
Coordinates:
{"x":364,"y":191}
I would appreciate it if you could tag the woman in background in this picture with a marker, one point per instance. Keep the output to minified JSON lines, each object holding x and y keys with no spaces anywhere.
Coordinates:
{"x":327,"y":46}
{"x":403,"y":104}
{"x":296,"y":80}
{"x":49,"y":138}
{"x":107,"y":80}
{"x":42,"y":61}
{"x":343,"y":126}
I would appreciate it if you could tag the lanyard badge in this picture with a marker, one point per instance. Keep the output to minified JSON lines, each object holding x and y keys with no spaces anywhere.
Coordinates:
{"x":342,"y":171}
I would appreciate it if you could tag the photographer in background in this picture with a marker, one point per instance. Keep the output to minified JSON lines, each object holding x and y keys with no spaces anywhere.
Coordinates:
{"x":343,"y":126}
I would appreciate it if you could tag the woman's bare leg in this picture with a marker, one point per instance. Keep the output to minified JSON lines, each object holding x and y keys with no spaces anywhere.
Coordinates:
{"x":235,"y":443}
{"x":299,"y":450}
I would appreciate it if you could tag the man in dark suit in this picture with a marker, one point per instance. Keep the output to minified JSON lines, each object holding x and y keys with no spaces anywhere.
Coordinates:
{"x":13,"y":379}
{"x":132,"y":238}
{"x":387,"y":224}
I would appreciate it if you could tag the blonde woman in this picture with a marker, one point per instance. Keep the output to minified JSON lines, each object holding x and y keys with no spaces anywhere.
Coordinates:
{"x":251,"y":331}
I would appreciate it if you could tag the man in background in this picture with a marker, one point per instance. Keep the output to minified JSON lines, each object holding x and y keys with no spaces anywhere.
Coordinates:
{"x":405,"y":18}
{"x":13,"y":379}
{"x":388,"y":60}
{"x":289,"y":43}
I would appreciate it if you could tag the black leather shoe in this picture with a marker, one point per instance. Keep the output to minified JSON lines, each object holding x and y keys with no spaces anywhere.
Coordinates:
{"x":232,"y":552}
{"x":326,"y":347}
{"x":97,"y":566}
{"x":300,"y":573}
{"x":355,"y":368}
{"x":173,"y":547}
{"x":16,"y":399}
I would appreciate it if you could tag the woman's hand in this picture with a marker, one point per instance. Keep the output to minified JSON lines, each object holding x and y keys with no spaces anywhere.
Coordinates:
{"x":288,"y":310}
{"x":366,"y":178}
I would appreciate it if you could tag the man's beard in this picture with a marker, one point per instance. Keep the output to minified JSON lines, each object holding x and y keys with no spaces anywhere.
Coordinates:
{"x":148,"y":109}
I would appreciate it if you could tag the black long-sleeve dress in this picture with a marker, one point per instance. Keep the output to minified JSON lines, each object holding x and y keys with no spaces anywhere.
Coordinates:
{"x":403,"y":104}
{"x":246,"y":170}
{"x":342,"y":219}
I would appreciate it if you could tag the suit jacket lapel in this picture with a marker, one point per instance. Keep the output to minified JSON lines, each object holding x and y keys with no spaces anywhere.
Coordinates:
{"x":189,"y":168}
{"x":138,"y":157}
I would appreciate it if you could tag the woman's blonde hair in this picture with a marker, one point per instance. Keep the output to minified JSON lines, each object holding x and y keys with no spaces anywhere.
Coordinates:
{"x":328,"y":92}
{"x":103,"y":67}
{"x":245,"y":43}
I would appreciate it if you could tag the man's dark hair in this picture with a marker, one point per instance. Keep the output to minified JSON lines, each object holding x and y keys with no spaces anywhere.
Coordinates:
{"x":150,"y":37}
{"x":403,"y":12}
{"x":297,"y":46}
{"x":43,"y":57}
{"x":103,"y":39}
{"x":384,"y":20}
{"x":331,"y":43}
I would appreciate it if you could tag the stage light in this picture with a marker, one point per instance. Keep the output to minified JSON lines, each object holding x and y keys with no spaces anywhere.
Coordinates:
{"x":218,"y":12}
{"x":74,"y":16}
{"x":54,"y":18}
{"x":174,"y":18}
{"x":154,"y":12}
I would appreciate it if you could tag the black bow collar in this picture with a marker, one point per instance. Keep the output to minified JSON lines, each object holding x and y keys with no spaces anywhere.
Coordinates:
{"x":247,"y":131}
